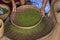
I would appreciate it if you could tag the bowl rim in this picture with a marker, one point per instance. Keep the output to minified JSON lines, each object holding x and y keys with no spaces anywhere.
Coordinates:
{"x":29,"y":27}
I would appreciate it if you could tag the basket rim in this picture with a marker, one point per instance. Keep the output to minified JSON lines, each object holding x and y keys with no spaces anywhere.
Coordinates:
{"x":29,"y":27}
{"x":6,"y":6}
{"x":6,"y":1}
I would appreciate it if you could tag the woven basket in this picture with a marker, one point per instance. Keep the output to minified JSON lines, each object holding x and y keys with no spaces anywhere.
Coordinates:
{"x":57,"y":5}
{"x":5,"y":15}
{"x":36,"y":32}
{"x":6,"y":1}
{"x":1,"y":28}
{"x":22,"y":9}
{"x":53,"y":12}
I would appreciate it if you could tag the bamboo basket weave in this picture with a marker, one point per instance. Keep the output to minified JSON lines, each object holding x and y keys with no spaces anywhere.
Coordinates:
{"x":46,"y":23}
{"x":1,"y":28}
{"x":6,"y":1}
{"x":5,"y":15}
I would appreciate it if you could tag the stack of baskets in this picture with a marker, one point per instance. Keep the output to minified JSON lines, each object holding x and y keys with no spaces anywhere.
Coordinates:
{"x":28,"y":26}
